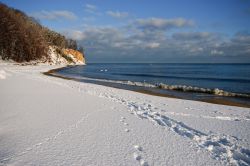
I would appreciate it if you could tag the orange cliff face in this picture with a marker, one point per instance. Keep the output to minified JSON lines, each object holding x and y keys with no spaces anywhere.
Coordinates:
{"x":76,"y":54}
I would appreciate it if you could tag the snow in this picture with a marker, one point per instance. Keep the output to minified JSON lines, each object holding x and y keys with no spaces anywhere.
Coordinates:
{"x":137,"y":147}
{"x":51,"y":121}
{"x":57,"y":59}
{"x":2,"y":74}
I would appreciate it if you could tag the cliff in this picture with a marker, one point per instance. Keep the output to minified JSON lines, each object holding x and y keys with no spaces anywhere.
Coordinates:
{"x":24,"y":40}
{"x":64,"y":56}
{"x":75,"y":55}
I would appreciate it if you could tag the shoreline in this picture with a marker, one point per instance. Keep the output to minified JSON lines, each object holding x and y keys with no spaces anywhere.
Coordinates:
{"x":150,"y":92}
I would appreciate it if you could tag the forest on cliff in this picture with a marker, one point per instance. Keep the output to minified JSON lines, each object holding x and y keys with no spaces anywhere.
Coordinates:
{"x":23,"y":38}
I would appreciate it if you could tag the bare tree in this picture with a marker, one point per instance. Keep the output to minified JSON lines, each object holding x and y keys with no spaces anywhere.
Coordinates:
{"x":22,"y":38}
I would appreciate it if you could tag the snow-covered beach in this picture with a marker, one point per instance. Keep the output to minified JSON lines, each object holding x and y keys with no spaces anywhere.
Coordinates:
{"x":51,"y":121}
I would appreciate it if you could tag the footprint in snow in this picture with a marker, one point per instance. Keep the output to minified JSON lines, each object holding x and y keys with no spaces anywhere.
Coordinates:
{"x":137,"y":156}
{"x":122,"y":119}
{"x":127,"y":130}
{"x":143,"y":163}
{"x":137,"y":147}
{"x":39,"y":144}
{"x":28,"y":149}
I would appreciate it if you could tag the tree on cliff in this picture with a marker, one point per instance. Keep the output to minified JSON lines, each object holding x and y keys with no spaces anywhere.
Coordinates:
{"x":81,"y":49}
{"x":72,"y":44}
{"x":23,"y":38}
{"x":20,"y":40}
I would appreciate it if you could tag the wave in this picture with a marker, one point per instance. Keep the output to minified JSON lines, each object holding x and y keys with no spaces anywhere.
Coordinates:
{"x":186,"y":88}
{"x":182,"y":88}
{"x":187,"y":78}
{"x":214,"y":91}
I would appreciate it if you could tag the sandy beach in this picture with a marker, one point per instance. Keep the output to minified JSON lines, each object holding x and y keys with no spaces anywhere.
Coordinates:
{"x":46,"y":120}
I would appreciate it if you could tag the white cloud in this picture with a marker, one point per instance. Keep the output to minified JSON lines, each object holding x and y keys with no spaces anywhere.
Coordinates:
{"x":55,"y":15}
{"x":117,"y":14}
{"x":192,"y":35}
{"x":216,"y":52}
{"x":195,"y":50}
{"x":152,"y":45}
{"x":75,"y":34}
{"x":163,"y":24}
{"x":92,"y":9}
{"x":88,"y":19}
{"x":242,"y":38}
{"x":121,"y":42}
{"x":116,"y":40}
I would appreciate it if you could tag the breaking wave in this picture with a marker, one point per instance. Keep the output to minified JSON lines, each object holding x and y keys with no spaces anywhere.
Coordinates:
{"x":185,"y":88}
{"x":186,"y":78}
{"x":182,"y":88}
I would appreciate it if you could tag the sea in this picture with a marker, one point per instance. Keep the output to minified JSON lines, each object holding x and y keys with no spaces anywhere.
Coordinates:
{"x":204,"y":82}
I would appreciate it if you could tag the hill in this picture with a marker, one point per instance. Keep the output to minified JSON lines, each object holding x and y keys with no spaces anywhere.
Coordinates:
{"x":24,"y":39}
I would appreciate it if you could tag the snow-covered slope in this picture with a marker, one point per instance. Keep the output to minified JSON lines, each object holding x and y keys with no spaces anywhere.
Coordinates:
{"x":51,"y":121}
{"x":63,"y":58}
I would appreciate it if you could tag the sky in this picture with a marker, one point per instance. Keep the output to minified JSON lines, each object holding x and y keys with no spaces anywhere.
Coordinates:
{"x":149,"y":31}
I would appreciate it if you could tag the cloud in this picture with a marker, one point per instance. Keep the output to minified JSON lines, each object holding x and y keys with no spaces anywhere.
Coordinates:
{"x":117,"y":14}
{"x":238,"y":45}
{"x":75,"y":34}
{"x":163,"y":24}
{"x":55,"y":15}
{"x":92,"y":9}
{"x":242,"y":37}
{"x":216,"y":52}
{"x":152,"y":45}
{"x":136,"y":44}
{"x":88,"y":19}
{"x":192,"y":35}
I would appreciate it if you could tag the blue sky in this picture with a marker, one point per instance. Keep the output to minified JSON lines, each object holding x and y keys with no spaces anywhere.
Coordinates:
{"x":150,"y":30}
